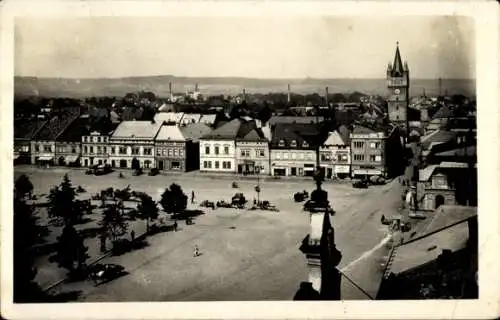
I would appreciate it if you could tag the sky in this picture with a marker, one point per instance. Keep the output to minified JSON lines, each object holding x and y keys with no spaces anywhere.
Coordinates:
{"x":253,"y":47}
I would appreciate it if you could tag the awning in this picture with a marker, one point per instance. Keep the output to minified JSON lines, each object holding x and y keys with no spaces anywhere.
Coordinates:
{"x":71,"y":159}
{"x":45,"y":158}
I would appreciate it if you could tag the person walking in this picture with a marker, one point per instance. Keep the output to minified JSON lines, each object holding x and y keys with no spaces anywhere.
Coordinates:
{"x":196,"y":251}
{"x":175,"y":226}
{"x":132,"y":235}
{"x":192,"y":197}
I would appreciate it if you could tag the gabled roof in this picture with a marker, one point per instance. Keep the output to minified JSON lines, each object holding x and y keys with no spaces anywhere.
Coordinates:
{"x":75,"y":131}
{"x":437,"y":137}
{"x":54,"y":127}
{"x":334,"y":139}
{"x":137,"y":130}
{"x":345,"y":134}
{"x":299,"y":133}
{"x":426,"y":173}
{"x":190,"y":118}
{"x":195,"y":131}
{"x":443,"y":112}
{"x":420,"y":251}
{"x":470,"y":151}
{"x":170,"y":133}
{"x":254,"y":135}
{"x":449,"y":215}
{"x":234,"y":129}
{"x":289,"y":119}
{"x":26,"y":129}
{"x":174,"y":117}
{"x":208,"y":118}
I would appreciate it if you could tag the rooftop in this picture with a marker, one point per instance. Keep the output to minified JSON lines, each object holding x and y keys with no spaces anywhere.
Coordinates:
{"x":55,"y":126}
{"x":288,"y":133}
{"x":470,"y":151}
{"x":26,"y":129}
{"x":234,"y":129}
{"x":170,"y":133}
{"x":75,"y":131}
{"x":137,"y":129}
{"x":437,"y":137}
{"x":289,"y":119}
{"x":195,"y":131}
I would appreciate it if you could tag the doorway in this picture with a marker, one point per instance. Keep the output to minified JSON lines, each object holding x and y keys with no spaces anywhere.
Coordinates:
{"x":439,"y":201}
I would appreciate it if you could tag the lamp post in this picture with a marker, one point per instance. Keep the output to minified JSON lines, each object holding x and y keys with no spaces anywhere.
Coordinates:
{"x":257,"y":187}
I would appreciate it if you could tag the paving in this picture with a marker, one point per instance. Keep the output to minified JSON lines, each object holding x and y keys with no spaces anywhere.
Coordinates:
{"x":245,"y":255}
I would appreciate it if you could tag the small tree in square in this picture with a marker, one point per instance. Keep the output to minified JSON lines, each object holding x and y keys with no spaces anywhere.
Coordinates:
{"x":173,"y":200}
{"x":147,"y":209}
{"x":62,"y":202}
{"x":113,"y":223}
{"x":71,"y":252}
{"x":23,"y":186}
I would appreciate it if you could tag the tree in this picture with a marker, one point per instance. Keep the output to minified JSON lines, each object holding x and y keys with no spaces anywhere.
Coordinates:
{"x":71,"y":252}
{"x":27,"y":233}
{"x":147,"y":209}
{"x":62,"y":202}
{"x":113,"y":223}
{"x":23,"y":186}
{"x":173,"y":200}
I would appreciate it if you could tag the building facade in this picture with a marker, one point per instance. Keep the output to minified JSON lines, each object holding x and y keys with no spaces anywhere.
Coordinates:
{"x":293,"y":153}
{"x":24,"y":131}
{"x":368,"y":152}
{"x":95,"y":149}
{"x":217,"y":155}
{"x":398,"y":85}
{"x":335,"y":156}
{"x":252,"y":156}
{"x":170,"y":146}
{"x":133,"y":143}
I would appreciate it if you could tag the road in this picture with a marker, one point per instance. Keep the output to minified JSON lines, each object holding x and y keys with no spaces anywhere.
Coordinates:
{"x":246,"y":255}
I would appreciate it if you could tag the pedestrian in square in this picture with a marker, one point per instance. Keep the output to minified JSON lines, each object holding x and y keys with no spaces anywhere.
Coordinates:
{"x":175,"y":226}
{"x":132,"y":235}
{"x":192,"y":196}
{"x":196,"y":251}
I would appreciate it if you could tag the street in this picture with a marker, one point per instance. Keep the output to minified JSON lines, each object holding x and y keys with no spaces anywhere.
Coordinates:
{"x":245,"y":255}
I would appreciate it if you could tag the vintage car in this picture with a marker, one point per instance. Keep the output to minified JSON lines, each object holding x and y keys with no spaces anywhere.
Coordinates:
{"x":238,"y":200}
{"x":207,"y":204}
{"x":300,"y":196}
{"x":360,"y":184}
{"x":153,"y":172}
{"x":100,"y":273}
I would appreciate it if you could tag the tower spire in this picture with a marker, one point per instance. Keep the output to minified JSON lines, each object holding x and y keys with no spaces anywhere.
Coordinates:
{"x":397,"y":66}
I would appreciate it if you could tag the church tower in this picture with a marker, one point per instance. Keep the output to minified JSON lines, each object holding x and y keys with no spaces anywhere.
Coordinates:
{"x":398,"y":84}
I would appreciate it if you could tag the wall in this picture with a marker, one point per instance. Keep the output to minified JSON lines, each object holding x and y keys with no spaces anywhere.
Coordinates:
{"x":128,"y":144}
{"x":212,"y":158}
{"x":303,"y":160}
{"x":169,"y":152}
{"x":253,"y":147}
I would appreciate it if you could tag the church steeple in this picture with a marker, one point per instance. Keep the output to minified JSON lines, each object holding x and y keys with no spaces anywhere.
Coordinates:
{"x":397,"y":66}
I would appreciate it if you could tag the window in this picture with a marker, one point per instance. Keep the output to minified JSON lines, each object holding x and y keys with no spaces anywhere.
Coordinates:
{"x":310,"y":156}
{"x":170,"y":152}
{"x":99,"y":149}
{"x":207,"y":149}
{"x":176,"y":165}
{"x":147,"y":164}
{"x":164,"y":151}
{"x":99,"y":162}
{"x":359,"y":144}
{"x":85,"y":149}
{"x":158,"y":152}
{"x":216,"y":164}
{"x":305,"y":144}
{"x":148,"y":151}
{"x":216,"y":150}
{"x":73,"y":150}
{"x":47,"y":149}
{"x":37,"y":148}
{"x":122,"y":150}
{"x":135,"y":150}
{"x":245,"y":153}
{"x":301,"y":156}
{"x":378,"y":158}
{"x":285,"y":155}
{"x":281,"y":143}
{"x":104,"y":150}
{"x":226,"y":149}
{"x":294,"y":155}
{"x":91,"y":149}
{"x":113,"y":149}
{"x":207,"y":164}
{"x":175,"y":152}
{"x":181,"y":152}
{"x":372,"y":158}
{"x":228,"y":164}
{"x":278,"y":155}
{"x":293,"y":143}
{"x":359,"y":157}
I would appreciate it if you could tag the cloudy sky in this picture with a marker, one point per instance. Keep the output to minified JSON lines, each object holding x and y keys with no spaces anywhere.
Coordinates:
{"x":279,"y":47}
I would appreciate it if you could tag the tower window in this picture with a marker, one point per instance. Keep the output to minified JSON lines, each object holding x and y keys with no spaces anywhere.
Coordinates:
{"x":397,"y":98}
{"x":397,"y":107}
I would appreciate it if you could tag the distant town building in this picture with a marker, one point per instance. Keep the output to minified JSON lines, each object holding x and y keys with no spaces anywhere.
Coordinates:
{"x":95,"y":148}
{"x":24,"y":131}
{"x":69,"y":142}
{"x":335,"y":154}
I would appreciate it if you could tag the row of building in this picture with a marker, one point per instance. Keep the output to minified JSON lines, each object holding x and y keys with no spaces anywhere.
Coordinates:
{"x":243,"y":145}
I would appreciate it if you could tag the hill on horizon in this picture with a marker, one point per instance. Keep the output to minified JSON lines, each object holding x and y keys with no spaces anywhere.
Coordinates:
{"x":159,"y":85}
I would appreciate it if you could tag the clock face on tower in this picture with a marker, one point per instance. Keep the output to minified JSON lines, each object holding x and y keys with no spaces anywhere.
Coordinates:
{"x":396,"y":91}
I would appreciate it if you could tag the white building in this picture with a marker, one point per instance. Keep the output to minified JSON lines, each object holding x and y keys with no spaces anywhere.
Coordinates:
{"x":95,"y":149}
{"x":336,"y":155}
{"x":133,"y":141}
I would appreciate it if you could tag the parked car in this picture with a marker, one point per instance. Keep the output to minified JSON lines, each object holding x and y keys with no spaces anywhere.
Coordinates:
{"x":362,"y":184}
{"x":138,"y":172}
{"x":377,"y":180}
{"x":102,"y":169}
{"x":105,"y":272}
{"x":300,"y":196}
{"x":238,"y":200}
{"x":153,"y":172}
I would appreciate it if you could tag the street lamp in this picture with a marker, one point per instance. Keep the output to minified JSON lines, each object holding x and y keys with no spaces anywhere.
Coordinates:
{"x":257,"y":187}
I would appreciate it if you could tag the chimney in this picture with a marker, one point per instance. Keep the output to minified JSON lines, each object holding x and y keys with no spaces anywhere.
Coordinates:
{"x":195,"y":87}
{"x":326,"y":96}
{"x":289,"y":99}
{"x":244,"y":95}
{"x":170,"y":89}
